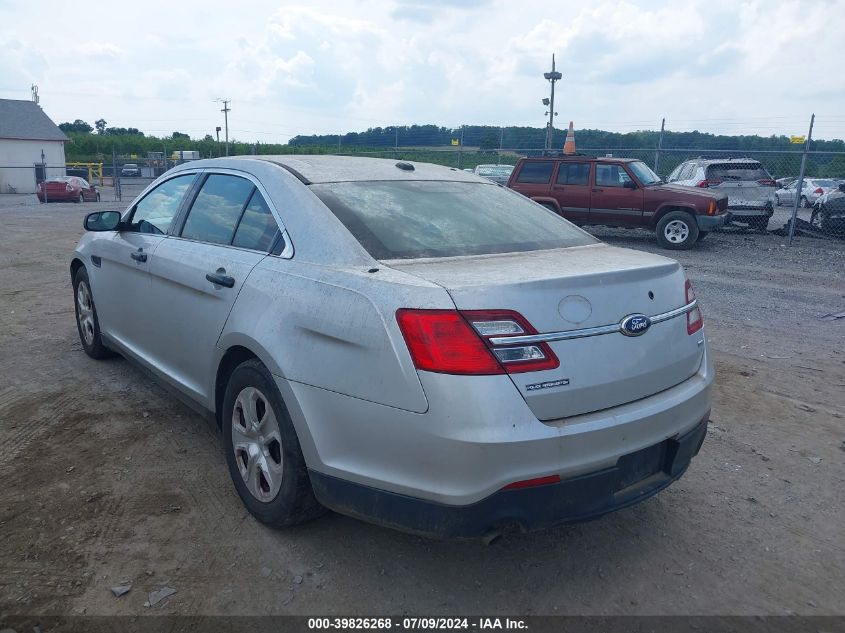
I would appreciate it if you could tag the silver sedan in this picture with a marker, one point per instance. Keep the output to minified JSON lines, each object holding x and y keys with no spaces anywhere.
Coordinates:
{"x":401,"y":342}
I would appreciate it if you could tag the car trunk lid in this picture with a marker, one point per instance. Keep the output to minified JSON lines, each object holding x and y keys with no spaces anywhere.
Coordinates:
{"x":569,"y":289}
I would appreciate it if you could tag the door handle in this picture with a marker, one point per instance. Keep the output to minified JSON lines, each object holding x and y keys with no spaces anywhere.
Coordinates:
{"x":139,"y":255}
{"x":597,"y":190}
{"x":221,"y":280}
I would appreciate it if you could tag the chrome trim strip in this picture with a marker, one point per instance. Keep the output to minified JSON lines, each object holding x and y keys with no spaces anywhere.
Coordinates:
{"x":585,"y":332}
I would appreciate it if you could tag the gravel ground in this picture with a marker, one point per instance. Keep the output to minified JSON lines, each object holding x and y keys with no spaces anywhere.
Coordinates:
{"x":108,"y":479}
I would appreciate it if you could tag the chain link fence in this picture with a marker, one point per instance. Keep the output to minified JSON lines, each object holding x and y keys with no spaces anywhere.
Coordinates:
{"x":746,"y":173}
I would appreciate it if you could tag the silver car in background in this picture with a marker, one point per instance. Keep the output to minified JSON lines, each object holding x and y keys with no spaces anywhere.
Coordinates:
{"x":749,"y":187}
{"x":811,"y":191}
{"x":401,"y":342}
{"x":500,"y":174}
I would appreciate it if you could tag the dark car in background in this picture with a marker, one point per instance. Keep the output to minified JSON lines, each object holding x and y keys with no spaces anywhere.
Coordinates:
{"x":829,"y":212}
{"x":131,"y":170}
{"x":620,"y":192}
{"x":67,"y":189}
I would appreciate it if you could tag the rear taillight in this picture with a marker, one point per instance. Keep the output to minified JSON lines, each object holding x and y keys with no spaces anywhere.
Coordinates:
{"x":767,"y":182}
{"x":452,"y":342}
{"x":501,"y":324}
{"x":695,"y":320}
{"x":819,"y":191}
{"x":532,"y":483}
{"x":708,"y":183}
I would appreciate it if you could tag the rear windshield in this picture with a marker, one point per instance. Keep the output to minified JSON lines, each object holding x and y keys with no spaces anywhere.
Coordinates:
{"x":737,"y":171}
{"x":415,"y":219}
{"x":825,"y":183}
{"x":494,"y":170}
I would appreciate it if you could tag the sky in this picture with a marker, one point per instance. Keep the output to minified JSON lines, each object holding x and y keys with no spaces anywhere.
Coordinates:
{"x":721,"y":66}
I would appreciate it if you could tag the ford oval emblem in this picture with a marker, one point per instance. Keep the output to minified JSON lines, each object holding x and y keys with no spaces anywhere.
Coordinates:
{"x":635,"y":325}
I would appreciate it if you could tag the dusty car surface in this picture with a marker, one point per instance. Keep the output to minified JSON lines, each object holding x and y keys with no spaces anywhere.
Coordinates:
{"x":401,"y":342}
{"x":620,"y":192}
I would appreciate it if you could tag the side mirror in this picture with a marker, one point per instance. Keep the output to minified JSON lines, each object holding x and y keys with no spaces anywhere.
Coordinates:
{"x":663,"y":178}
{"x":629,"y":184}
{"x":102,"y":221}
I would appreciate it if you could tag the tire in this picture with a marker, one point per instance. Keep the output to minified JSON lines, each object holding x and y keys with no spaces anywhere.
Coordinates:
{"x":677,"y":230}
{"x":262,"y":450}
{"x":87,"y":322}
{"x":551,"y":208}
{"x":702,"y":235}
{"x":804,"y":202}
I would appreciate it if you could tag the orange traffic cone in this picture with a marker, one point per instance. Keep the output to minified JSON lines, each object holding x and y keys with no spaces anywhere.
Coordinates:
{"x":569,"y":144}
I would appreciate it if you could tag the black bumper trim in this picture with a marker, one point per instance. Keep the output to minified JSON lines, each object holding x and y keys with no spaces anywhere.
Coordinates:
{"x":572,"y":500}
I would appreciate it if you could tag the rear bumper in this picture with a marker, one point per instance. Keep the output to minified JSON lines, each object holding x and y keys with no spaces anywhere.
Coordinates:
{"x":712,"y":222}
{"x":750,"y":212}
{"x":634,"y":477}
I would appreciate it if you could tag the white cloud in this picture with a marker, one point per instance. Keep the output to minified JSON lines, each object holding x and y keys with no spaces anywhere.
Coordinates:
{"x":350,"y":64}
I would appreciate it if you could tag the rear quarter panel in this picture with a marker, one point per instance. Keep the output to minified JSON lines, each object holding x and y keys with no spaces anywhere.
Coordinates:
{"x":334,"y":328}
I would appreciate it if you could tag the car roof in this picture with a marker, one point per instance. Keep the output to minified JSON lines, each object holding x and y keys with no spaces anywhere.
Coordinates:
{"x":580,"y":158}
{"x":709,"y":161}
{"x":323,"y":168}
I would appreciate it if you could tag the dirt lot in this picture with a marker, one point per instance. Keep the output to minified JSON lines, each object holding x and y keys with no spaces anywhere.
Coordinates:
{"x":107,"y":478}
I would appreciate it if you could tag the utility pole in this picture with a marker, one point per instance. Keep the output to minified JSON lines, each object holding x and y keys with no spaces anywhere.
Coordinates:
{"x":461,"y":150}
{"x":659,"y":145}
{"x":800,"y":186}
{"x":44,"y":175}
{"x":226,"y":109}
{"x":552,"y":76}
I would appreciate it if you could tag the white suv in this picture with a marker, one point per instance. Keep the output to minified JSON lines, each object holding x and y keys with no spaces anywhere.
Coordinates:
{"x":750,"y":188}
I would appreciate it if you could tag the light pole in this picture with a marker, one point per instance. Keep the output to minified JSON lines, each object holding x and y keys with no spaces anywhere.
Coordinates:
{"x":217,"y":129}
{"x":552,"y":77}
{"x":226,"y":109}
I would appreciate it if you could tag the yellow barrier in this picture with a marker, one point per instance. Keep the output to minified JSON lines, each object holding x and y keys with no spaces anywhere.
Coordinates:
{"x":94,"y":169}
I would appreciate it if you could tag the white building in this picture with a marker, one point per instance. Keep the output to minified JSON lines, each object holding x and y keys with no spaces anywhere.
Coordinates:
{"x":31,"y":147}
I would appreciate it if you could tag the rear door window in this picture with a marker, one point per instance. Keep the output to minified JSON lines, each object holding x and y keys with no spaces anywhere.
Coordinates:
{"x":737,"y":172}
{"x":573,"y":174}
{"x":217,"y":209}
{"x":257,"y":229}
{"x":536,"y":172}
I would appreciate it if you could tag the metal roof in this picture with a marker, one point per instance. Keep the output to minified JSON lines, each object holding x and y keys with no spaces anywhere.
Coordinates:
{"x":320,"y":168}
{"x":25,"y":120}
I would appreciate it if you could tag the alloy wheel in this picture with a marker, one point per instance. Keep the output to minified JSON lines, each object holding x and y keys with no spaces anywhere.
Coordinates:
{"x":676,"y":232}
{"x":85,"y":312}
{"x":257,"y":443}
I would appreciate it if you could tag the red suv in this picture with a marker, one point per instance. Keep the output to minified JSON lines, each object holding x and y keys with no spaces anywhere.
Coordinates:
{"x":620,"y":192}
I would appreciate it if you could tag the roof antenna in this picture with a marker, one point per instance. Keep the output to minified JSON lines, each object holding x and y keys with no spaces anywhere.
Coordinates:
{"x":405,"y":166}
{"x":34,"y":90}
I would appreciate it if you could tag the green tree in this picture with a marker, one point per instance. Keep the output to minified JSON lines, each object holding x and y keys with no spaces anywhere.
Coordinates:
{"x":77,"y":126}
{"x":488,"y":142}
{"x":100,"y":124}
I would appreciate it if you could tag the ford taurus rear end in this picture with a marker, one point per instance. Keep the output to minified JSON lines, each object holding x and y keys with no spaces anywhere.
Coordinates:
{"x":564,"y":378}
